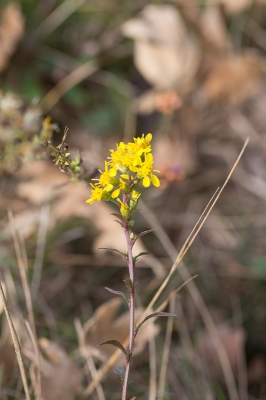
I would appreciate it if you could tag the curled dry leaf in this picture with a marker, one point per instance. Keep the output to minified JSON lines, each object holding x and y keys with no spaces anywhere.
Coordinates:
{"x":60,"y":377}
{"x":11,"y":31}
{"x":233,"y":340}
{"x":235,"y":79}
{"x":103,"y":326}
{"x":164,"y":52}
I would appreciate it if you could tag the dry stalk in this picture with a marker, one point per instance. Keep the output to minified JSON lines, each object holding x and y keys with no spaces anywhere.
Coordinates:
{"x":16,"y":344}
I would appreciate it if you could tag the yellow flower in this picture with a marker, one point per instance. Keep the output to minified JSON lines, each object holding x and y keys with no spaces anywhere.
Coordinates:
{"x":106,"y":178}
{"x":96,"y":194}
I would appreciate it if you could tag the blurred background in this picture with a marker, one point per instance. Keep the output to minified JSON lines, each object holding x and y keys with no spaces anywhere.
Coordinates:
{"x":191,"y":72}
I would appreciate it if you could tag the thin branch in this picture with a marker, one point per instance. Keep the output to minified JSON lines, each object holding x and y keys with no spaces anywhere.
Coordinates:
{"x":16,"y":344}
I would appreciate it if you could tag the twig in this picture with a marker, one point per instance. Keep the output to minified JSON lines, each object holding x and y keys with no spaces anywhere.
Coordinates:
{"x":40,"y":249}
{"x":22,"y":271}
{"x":166,"y":351}
{"x":16,"y":344}
{"x":152,"y":352}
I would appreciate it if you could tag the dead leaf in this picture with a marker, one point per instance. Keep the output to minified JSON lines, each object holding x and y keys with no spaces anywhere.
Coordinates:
{"x":60,"y":377}
{"x":103,"y":326}
{"x":235,"y":79}
{"x":165,"y":102}
{"x":236,"y":6}
{"x":11,"y":31}
{"x":164,"y":52}
{"x":233,"y":340}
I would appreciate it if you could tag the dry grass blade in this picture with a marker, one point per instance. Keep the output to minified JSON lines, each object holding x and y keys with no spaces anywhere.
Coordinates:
{"x":62,"y":87}
{"x":16,"y":344}
{"x":152,"y":353}
{"x":227,"y":370}
{"x":38,"y":389}
{"x":166,"y":351}
{"x":58,"y":16}
{"x":88,"y":358}
{"x":22,"y":270}
{"x":40,"y":249}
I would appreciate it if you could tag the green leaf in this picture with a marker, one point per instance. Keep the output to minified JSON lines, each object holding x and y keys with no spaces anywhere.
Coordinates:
{"x":120,"y":223}
{"x":117,"y":344}
{"x":142,"y":234}
{"x":155,"y":315}
{"x":118,"y":293}
{"x":129,"y":284}
{"x":131,"y":223}
{"x":121,"y":218}
{"x":144,"y":253}
{"x":124,"y":255}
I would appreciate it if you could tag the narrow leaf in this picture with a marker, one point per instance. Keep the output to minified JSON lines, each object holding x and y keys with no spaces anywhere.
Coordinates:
{"x":142,"y":234}
{"x":117,"y":292}
{"x":120,"y":223}
{"x":115,"y":250}
{"x":143,"y":253}
{"x":117,"y":344}
{"x":120,"y":217}
{"x":129,"y":284}
{"x":154,"y":315}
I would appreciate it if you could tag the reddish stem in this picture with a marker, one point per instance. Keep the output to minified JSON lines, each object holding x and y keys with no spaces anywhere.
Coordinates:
{"x":131,"y":305}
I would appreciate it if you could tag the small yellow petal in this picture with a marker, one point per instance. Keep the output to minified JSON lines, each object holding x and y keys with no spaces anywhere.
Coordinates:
{"x":90,"y":201}
{"x":155,"y":180}
{"x":109,"y":187}
{"x":112,"y":172}
{"x":148,"y":137}
{"x":146,"y":181}
{"x":115,"y":194}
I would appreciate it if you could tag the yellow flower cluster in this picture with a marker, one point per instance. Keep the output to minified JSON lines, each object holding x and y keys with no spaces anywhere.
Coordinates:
{"x":128,"y":165}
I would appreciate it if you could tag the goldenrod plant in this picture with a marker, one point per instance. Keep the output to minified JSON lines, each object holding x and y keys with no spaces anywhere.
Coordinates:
{"x":129,"y":166}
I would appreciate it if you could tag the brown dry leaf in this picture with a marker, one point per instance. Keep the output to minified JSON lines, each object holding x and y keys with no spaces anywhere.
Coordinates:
{"x":11,"y":31}
{"x":235,"y":79}
{"x":60,"y":377}
{"x":102,"y":327}
{"x":164,"y":52}
{"x":233,"y":340}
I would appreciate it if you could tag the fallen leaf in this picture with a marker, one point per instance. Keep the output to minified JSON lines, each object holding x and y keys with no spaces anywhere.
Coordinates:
{"x":11,"y":31}
{"x":234,"y":79}
{"x":60,"y":377}
{"x":103,"y":327}
{"x":164,"y":51}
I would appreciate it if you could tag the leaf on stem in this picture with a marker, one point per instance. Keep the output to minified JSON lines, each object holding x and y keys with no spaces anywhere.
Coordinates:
{"x":117,"y":344}
{"x":143,"y":253}
{"x":121,"y":218}
{"x":118,"y":293}
{"x":124,"y":255}
{"x":120,"y":223}
{"x":142,"y":234}
{"x":129,"y":284}
{"x":154,"y":315}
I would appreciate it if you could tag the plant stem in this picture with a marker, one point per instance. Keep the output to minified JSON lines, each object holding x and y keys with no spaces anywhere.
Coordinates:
{"x":131,"y":305}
